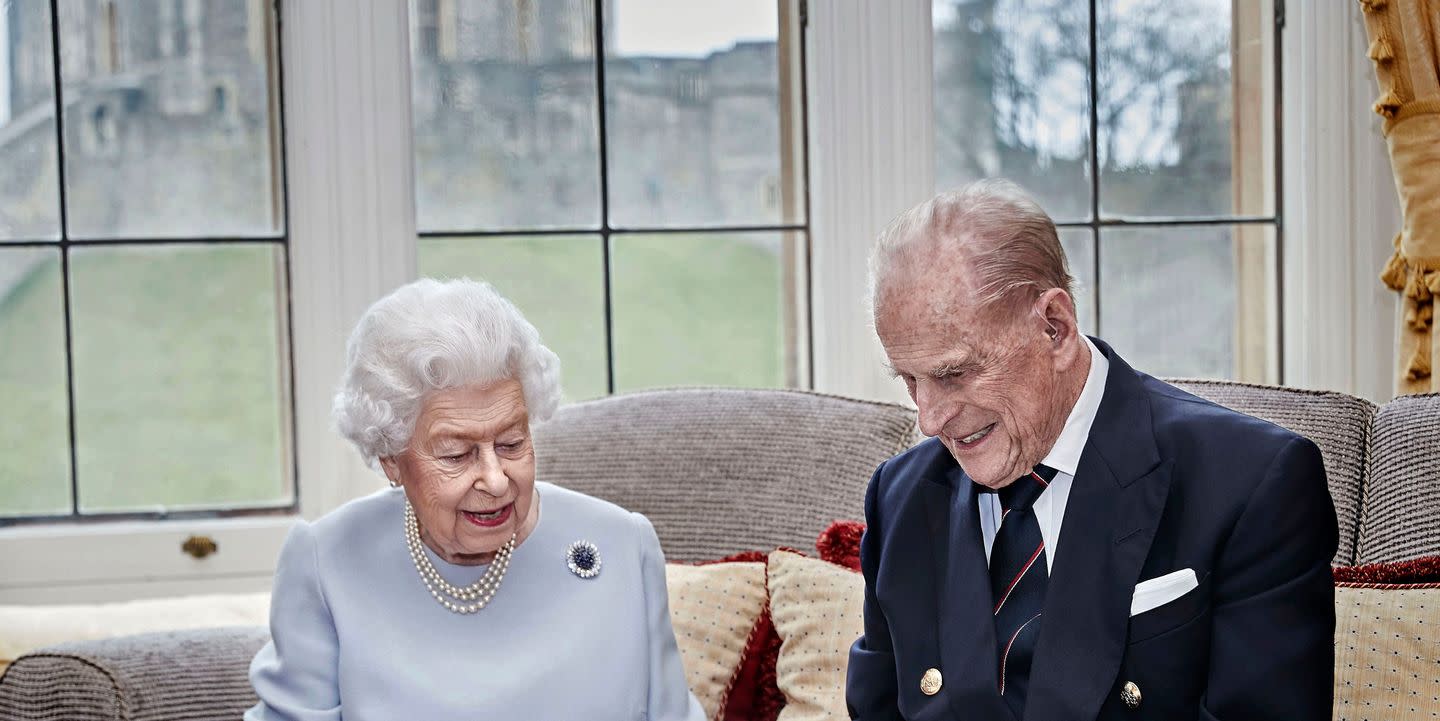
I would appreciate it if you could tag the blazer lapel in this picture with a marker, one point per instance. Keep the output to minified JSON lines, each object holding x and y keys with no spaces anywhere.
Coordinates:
{"x":1110,"y":520}
{"x":965,"y":625}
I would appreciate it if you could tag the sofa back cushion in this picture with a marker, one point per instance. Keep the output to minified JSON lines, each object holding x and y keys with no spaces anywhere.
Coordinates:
{"x":1401,"y":516}
{"x":1339,"y":424}
{"x":724,"y":470}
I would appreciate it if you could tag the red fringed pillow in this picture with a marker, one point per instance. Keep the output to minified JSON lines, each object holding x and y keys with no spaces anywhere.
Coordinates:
{"x":1418,"y":571}
{"x":840,"y":543}
{"x":753,"y":694}
{"x":714,"y":609}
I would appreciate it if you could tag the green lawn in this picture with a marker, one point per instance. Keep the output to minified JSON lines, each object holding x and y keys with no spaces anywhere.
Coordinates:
{"x":177,"y":366}
{"x":697,"y":310}
{"x":35,"y":462}
{"x":177,"y":376}
{"x":688,"y":309}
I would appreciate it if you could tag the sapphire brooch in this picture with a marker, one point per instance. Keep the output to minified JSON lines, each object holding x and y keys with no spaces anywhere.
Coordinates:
{"x":583,"y":558}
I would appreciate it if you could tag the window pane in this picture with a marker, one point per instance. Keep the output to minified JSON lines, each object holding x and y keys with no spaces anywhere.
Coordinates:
{"x":1079,"y":245}
{"x":698,"y":114}
{"x":558,"y":282}
{"x":1191,"y":301}
{"x":35,"y":464}
{"x":179,"y":392}
{"x":506,"y":130}
{"x":1186,"y":107}
{"x":702,"y":309}
{"x":1012,"y":97}
{"x":29,"y":187}
{"x":168,"y":118}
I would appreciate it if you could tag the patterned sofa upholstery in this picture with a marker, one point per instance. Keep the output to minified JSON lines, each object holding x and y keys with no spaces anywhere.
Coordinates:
{"x":725,"y":470}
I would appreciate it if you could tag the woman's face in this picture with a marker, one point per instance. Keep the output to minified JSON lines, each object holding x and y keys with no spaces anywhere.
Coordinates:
{"x":469,"y":470}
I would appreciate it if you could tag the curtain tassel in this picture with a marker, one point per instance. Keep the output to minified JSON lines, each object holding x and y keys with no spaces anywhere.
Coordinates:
{"x":1419,"y":368}
{"x":1380,"y":50}
{"x":1394,"y":274}
{"x":1417,"y":286}
{"x":1424,"y":315}
{"x":1387,"y":105}
{"x":1431,"y":280}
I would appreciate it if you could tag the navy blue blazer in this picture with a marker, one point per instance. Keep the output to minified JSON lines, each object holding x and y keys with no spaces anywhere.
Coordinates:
{"x":1167,"y":481}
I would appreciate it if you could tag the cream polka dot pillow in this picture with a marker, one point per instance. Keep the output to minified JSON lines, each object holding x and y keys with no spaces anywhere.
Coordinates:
{"x":1387,"y":653}
{"x":816,"y":606}
{"x":714,"y":608}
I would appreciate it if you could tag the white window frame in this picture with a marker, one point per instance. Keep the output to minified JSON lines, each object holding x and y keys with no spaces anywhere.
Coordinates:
{"x":347,"y":101}
{"x":352,"y":239}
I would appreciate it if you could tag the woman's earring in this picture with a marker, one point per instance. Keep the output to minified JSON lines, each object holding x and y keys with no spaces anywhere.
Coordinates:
{"x":393,"y":484}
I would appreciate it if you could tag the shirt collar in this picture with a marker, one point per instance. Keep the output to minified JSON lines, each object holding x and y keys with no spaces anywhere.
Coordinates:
{"x":1065,"y":454}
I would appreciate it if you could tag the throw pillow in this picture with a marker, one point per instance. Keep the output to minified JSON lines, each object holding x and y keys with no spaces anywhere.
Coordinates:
{"x":1387,"y":631}
{"x":840,"y":543}
{"x":754,"y":695}
{"x":714,"y":609}
{"x":816,"y":606}
{"x":1387,"y":640}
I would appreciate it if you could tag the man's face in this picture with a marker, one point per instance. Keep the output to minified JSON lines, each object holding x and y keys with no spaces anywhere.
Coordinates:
{"x":987,"y":381}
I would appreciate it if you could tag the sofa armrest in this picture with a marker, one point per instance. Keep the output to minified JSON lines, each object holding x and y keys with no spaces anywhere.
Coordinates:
{"x":196,"y":674}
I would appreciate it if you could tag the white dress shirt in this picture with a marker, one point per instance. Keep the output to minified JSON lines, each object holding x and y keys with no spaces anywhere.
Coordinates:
{"x":1064,"y":457}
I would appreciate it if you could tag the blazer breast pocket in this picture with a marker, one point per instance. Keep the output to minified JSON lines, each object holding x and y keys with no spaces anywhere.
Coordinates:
{"x":1172,"y":615}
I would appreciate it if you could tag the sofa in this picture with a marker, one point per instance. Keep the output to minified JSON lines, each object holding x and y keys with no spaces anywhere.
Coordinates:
{"x":721,"y":472}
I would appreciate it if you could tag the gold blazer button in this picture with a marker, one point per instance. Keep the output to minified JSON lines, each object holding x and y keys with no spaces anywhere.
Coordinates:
{"x":931,"y":682}
{"x":1130,"y":694}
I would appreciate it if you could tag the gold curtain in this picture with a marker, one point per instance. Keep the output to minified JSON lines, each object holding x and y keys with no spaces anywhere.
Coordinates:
{"x":1404,"y":36}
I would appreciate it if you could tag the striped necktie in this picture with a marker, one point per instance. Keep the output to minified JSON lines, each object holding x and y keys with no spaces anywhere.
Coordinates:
{"x":1018,"y":578}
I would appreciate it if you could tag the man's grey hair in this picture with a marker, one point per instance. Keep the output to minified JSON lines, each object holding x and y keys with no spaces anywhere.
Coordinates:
{"x":430,"y":335}
{"x":1008,"y":241}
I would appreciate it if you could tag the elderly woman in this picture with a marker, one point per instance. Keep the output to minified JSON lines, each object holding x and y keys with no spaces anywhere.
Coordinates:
{"x":468,"y":590}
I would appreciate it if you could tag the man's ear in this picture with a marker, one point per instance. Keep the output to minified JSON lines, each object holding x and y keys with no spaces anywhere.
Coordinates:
{"x":392,"y":470}
{"x":1057,"y":310}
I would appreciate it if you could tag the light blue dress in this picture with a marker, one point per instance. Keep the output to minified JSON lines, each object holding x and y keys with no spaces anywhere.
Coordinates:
{"x":356,"y":634}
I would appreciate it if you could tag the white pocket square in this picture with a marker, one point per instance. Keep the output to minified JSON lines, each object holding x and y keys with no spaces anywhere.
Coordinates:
{"x":1161,"y":590}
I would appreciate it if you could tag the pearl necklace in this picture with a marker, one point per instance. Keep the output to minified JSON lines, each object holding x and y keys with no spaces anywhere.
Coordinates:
{"x":454,"y":598}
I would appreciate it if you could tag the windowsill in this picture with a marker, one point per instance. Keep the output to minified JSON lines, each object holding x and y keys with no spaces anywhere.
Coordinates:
{"x":99,"y":527}
{"x":61,"y":554}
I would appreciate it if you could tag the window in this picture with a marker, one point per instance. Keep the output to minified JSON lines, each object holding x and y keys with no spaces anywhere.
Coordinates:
{"x":143,"y":255}
{"x":1147,"y":129}
{"x":342,"y":224}
{"x":644,"y":204}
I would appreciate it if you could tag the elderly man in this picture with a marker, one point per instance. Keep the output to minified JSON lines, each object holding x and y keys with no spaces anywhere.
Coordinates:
{"x":1077,"y":540}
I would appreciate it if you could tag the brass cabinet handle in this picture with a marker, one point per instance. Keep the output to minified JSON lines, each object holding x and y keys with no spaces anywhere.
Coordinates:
{"x":199,"y":546}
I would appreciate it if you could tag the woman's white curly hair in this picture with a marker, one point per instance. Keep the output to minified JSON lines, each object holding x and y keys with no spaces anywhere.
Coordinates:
{"x":426,"y":336}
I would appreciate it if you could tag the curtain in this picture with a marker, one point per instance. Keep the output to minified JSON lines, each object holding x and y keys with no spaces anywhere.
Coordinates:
{"x":1403,"y":45}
